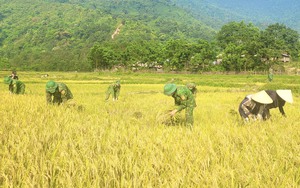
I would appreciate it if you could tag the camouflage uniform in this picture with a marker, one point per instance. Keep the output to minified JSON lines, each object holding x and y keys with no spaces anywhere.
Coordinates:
{"x":184,"y":99}
{"x":17,"y":87}
{"x":192,"y":87}
{"x":14,"y":86}
{"x":61,"y":95}
{"x":114,"y":90}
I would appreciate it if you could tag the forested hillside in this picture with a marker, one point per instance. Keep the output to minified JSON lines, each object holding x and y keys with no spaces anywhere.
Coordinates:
{"x":42,"y":34}
{"x":84,"y":35}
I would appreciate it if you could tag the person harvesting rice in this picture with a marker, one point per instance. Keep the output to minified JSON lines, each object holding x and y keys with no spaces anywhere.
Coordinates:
{"x":184,"y":99}
{"x":253,"y":106}
{"x":15,"y":86}
{"x":57,"y":93}
{"x":114,"y":90}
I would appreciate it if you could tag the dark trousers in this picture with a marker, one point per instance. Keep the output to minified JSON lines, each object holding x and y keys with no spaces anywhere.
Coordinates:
{"x":241,"y":111}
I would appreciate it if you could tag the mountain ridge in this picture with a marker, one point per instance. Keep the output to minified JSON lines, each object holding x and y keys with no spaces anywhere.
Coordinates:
{"x":38,"y":33}
{"x":260,"y":13}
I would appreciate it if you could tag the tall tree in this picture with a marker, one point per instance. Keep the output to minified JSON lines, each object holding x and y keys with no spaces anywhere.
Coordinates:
{"x":233,"y":58}
{"x":101,"y":57}
{"x":204,"y":54}
{"x":176,"y":54}
{"x":278,"y":39}
{"x":237,"y":33}
{"x":240,"y":45}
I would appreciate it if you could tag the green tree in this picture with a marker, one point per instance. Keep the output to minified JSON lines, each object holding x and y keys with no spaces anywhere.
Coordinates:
{"x":101,"y":57}
{"x":245,"y":38}
{"x":233,"y":58}
{"x":4,"y":64}
{"x":278,"y":39}
{"x":176,"y":54}
{"x":204,"y":54}
{"x":237,"y":34}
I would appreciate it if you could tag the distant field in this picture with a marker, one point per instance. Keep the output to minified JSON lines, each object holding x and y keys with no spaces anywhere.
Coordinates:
{"x":125,"y":144}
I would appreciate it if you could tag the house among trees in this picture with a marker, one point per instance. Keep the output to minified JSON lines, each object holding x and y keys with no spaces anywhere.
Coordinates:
{"x":154,"y":66}
{"x":218,"y":61}
{"x":285,"y":58}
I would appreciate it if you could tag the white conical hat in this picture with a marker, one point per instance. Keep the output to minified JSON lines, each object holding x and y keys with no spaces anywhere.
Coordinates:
{"x":285,"y":94}
{"x":262,"y":97}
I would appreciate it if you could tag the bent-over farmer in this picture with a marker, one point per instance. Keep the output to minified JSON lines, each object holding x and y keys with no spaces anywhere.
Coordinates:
{"x":184,"y":99}
{"x":252,"y":107}
{"x":193,"y":88}
{"x":114,"y":90}
{"x":57,"y":93}
{"x":14,"y":75}
{"x":279,"y":98}
{"x":14,"y":86}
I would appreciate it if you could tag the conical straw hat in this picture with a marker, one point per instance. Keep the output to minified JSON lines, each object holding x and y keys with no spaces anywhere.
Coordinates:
{"x":285,"y":94}
{"x":262,"y":97}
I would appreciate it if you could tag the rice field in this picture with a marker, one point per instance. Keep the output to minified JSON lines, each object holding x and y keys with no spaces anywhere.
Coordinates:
{"x":126,"y":143}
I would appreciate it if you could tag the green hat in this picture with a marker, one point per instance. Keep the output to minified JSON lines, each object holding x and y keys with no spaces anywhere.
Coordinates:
{"x":169,"y":89}
{"x":7,"y":80}
{"x":118,"y":82}
{"x":51,"y":86}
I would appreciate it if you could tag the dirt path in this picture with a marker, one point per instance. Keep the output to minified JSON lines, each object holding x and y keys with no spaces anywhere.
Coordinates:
{"x":117,"y":31}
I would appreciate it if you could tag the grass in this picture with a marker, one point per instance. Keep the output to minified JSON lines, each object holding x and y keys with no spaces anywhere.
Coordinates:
{"x":122,"y":144}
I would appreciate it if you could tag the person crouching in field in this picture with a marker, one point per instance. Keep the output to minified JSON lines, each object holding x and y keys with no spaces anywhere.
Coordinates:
{"x":114,"y":90}
{"x":58,"y":93}
{"x":14,"y":75}
{"x":253,"y":106}
{"x":192,"y":87}
{"x":279,"y":98}
{"x":184,"y":99}
{"x":14,"y":86}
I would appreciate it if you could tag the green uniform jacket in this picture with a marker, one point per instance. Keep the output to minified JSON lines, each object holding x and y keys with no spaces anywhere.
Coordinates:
{"x":17,"y":87}
{"x":114,"y":90}
{"x":61,"y":94}
{"x":184,"y":98}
